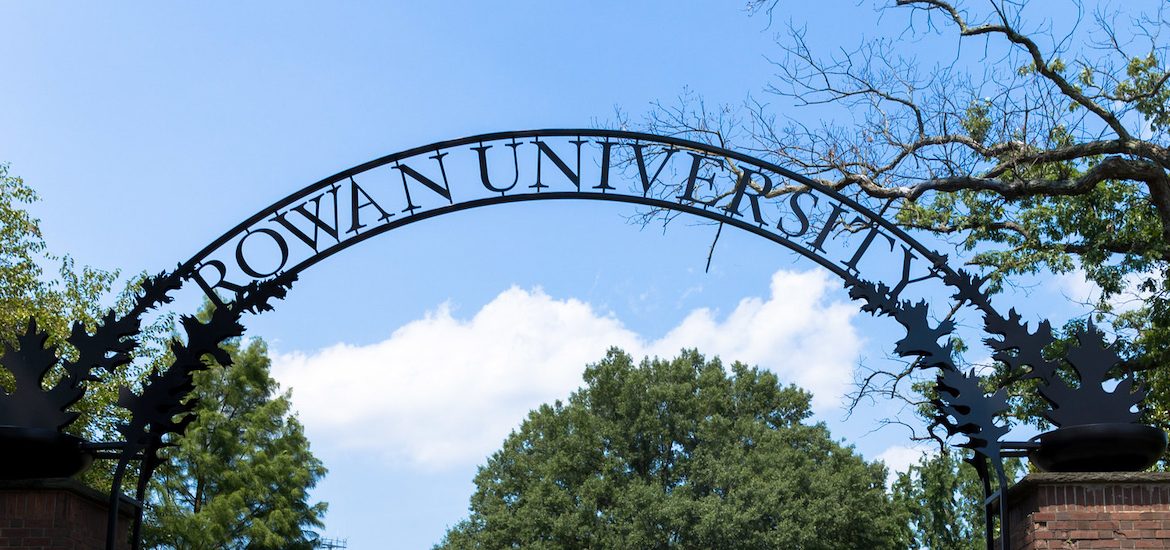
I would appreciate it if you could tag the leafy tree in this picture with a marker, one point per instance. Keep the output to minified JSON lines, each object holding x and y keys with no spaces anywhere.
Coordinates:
{"x":25,"y":291}
{"x":74,"y":294}
{"x":677,"y":454}
{"x":240,"y":475}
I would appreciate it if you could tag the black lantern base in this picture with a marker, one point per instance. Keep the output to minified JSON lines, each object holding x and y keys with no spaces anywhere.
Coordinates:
{"x":33,"y":453}
{"x":1098,"y":448}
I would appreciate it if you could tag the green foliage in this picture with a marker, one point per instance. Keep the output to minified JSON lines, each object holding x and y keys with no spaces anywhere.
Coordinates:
{"x":1145,"y":89}
{"x":24,"y":290}
{"x":240,"y":476}
{"x":976,"y":121}
{"x":1116,"y":229}
{"x":677,"y":454}
{"x":75,"y":293}
{"x":944,"y":499}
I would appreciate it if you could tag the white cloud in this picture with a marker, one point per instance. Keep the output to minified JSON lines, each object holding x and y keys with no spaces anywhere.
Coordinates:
{"x":794,"y":332}
{"x":443,"y":391}
{"x":1076,"y":287}
{"x":899,"y":458}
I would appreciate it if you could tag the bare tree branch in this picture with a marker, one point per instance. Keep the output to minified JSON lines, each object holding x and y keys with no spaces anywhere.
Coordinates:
{"x":1048,"y":146}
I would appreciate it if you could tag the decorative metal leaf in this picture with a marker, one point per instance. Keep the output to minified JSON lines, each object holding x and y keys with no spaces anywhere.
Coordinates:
{"x":963,"y":408}
{"x":159,"y":403}
{"x":1088,"y":403}
{"x":921,"y":338}
{"x":156,"y":290}
{"x":28,"y":405}
{"x":163,"y":406}
{"x":1018,"y":348}
{"x":876,"y":296}
{"x":968,"y":288}
{"x":255,"y":297}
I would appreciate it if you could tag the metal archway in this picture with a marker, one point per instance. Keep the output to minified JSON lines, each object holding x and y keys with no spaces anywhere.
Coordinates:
{"x":259,"y":259}
{"x":578,"y":164}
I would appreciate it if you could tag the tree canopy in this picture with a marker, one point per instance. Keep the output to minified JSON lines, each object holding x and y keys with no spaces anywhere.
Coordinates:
{"x":679,"y":453}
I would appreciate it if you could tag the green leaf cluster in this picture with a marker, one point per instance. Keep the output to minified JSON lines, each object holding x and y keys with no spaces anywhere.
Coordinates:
{"x":1109,"y":232}
{"x":1145,"y":89}
{"x":678,"y":453}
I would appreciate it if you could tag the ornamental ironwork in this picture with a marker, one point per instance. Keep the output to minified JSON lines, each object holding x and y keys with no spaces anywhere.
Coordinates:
{"x":1092,"y":401}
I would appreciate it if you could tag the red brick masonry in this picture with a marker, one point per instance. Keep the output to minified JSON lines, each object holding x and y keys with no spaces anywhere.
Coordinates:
{"x":1090,"y":510}
{"x":56,"y":514}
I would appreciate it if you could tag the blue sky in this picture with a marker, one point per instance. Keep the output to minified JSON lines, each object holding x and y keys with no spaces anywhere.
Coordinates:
{"x":150,"y":130}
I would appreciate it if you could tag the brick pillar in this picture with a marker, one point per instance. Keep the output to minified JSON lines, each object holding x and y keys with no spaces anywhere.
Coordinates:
{"x":57,"y":514}
{"x":1090,"y":510}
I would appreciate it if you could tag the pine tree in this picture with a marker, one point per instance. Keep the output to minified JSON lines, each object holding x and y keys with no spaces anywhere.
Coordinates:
{"x":239,"y":477}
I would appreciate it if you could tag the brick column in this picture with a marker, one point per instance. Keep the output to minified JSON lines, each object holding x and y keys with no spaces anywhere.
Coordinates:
{"x":1090,"y":510}
{"x":57,"y":514}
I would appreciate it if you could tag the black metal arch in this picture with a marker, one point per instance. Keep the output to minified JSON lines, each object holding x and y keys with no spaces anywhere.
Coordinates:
{"x":872,"y":221}
{"x":962,"y":405}
{"x":31,"y":417}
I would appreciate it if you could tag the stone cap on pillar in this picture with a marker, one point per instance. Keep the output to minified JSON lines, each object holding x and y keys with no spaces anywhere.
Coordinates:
{"x":1052,"y":509}
{"x":1062,"y":488}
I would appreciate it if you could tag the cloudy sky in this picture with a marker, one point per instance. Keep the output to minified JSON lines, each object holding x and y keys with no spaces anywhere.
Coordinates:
{"x":439,"y":404}
{"x":149,"y":131}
